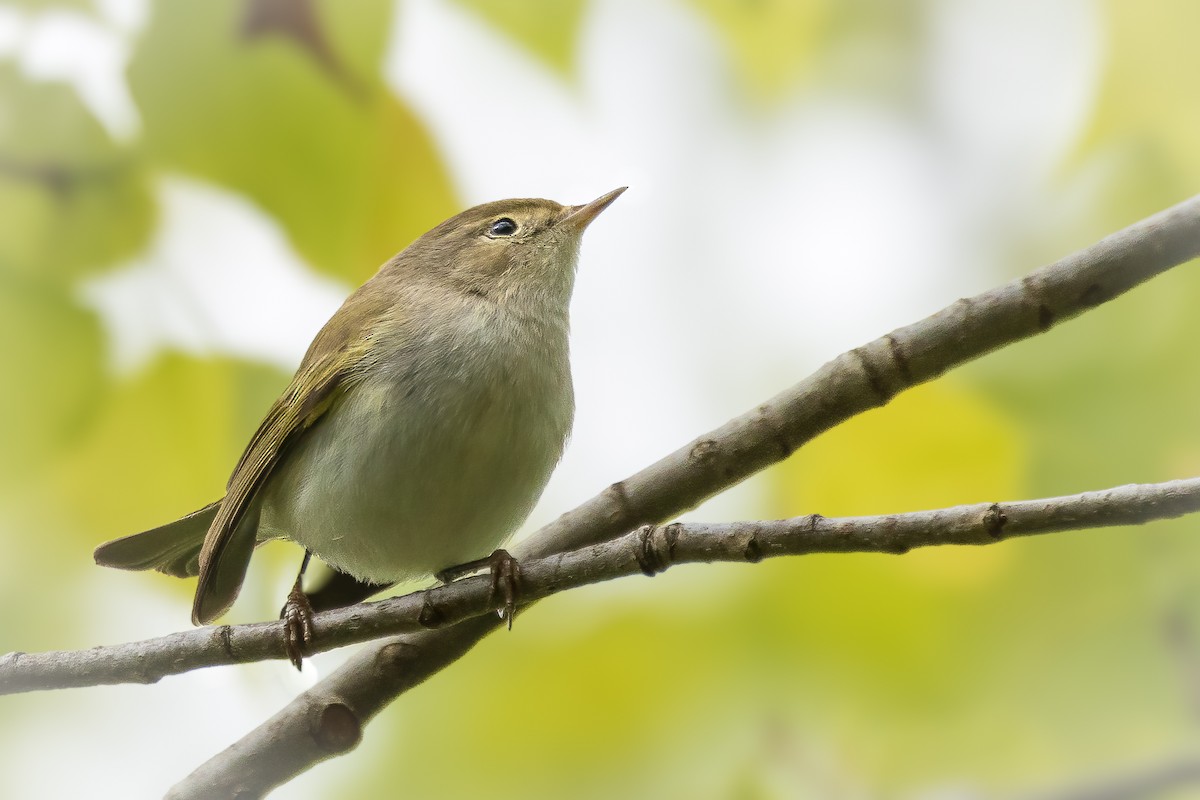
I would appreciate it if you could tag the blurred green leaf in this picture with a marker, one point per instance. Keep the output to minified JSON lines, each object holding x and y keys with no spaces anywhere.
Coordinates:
{"x":346,"y":168}
{"x":53,"y":358}
{"x":72,"y":200}
{"x":547,"y":28}
{"x":163,"y":444}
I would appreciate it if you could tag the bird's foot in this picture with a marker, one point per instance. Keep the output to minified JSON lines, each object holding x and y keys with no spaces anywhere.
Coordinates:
{"x":297,"y":615}
{"x":506,"y":580}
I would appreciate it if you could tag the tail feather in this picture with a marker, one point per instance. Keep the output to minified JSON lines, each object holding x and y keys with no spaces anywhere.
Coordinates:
{"x":222,"y":574}
{"x":173,"y":549}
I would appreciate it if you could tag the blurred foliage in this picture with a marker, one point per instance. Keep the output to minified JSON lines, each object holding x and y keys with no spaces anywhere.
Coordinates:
{"x":546,"y":28}
{"x":1147,"y":110}
{"x":294,"y":114}
{"x":42,"y":5}
{"x":282,"y":102}
{"x":946,"y":441}
{"x":1003,"y":667}
{"x":772,"y":42}
{"x":72,"y":200}
{"x":58,"y":368}
{"x":178,"y":426}
{"x":775,"y":46}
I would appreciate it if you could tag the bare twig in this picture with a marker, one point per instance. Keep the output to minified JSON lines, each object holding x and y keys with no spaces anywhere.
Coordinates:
{"x":648,"y":550}
{"x":299,"y":21}
{"x":861,"y":379}
{"x":59,"y":178}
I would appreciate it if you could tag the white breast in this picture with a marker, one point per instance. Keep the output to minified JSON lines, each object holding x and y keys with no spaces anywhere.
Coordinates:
{"x":436,"y":457}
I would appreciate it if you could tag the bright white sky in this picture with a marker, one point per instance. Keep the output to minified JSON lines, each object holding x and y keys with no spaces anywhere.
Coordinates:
{"x":747,"y":251}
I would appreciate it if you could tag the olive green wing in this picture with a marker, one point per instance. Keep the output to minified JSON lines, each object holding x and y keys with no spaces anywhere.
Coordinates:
{"x":234,"y":530}
{"x":340,"y":353}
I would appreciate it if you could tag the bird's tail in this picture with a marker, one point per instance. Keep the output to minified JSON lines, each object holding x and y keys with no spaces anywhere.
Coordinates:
{"x":173,"y":549}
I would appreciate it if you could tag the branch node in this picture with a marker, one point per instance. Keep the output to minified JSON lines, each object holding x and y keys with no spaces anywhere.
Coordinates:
{"x":890,"y":541}
{"x":654,"y":553}
{"x":338,"y":729}
{"x":703,"y":453}
{"x":993,"y":521}
{"x":430,"y":616}
{"x":767,"y":416}
{"x":752,"y":552}
{"x":899,"y":357}
{"x":225,"y":635}
{"x":645,"y":555}
{"x":394,"y":657}
{"x":616,"y":492}
{"x":874,"y":379}
{"x":1093,"y":295}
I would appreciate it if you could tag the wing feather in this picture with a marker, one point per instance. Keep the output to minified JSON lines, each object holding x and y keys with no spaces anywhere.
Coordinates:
{"x":336,"y":357}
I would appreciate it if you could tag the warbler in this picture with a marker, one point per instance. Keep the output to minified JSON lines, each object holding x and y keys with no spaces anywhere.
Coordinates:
{"x":419,"y":430}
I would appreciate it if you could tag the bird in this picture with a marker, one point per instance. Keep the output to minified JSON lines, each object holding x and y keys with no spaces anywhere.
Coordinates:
{"x":418,"y":432}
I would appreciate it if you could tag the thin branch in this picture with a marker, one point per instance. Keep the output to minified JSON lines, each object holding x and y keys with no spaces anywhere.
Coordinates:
{"x":648,"y":550}
{"x":299,"y":21}
{"x":854,"y":382}
{"x":59,"y":178}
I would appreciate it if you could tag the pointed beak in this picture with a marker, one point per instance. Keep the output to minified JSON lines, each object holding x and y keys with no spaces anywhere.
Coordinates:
{"x":581,"y":216}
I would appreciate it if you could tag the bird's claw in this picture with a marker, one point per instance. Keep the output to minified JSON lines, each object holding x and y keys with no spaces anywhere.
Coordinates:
{"x":506,"y":580}
{"x":297,"y":615}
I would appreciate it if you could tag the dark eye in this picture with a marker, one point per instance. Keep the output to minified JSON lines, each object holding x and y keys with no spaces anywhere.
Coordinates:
{"x":503,"y":227}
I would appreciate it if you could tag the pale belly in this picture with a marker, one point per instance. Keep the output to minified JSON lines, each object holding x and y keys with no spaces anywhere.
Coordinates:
{"x":396,"y":482}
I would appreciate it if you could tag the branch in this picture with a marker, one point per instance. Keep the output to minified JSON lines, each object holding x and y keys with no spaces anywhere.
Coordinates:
{"x":856,"y":381}
{"x":648,"y":550}
{"x":59,"y":178}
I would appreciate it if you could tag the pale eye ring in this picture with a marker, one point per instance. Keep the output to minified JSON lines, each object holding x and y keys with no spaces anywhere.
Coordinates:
{"x":503,"y":227}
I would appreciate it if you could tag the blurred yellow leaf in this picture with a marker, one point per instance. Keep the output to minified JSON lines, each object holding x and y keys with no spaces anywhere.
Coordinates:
{"x":938,"y":444}
{"x":1109,"y":398}
{"x":345,"y":167}
{"x":547,"y":28}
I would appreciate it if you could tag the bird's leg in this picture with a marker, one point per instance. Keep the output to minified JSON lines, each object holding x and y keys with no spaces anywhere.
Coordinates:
{"x":297,"y":619}
{"x":506,"y":579}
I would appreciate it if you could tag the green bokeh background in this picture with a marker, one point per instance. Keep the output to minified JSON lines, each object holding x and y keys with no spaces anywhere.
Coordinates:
{"x":1022,"y":666}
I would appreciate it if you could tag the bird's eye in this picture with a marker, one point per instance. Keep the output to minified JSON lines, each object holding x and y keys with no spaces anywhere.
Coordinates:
{"x":503,"y":227}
